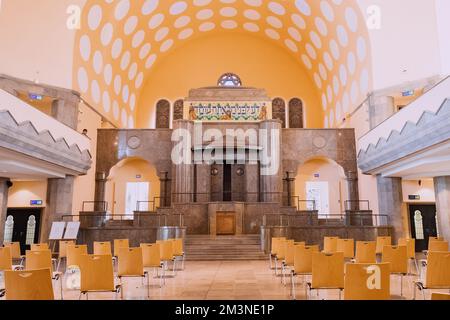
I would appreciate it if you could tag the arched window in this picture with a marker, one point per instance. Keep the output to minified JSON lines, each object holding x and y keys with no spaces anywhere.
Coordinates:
{"x":279,"y":110}
{"x":296,"y":113}
{"x":178,"y":110}
{"x":229,"y":80}
{"x":163,"y":114}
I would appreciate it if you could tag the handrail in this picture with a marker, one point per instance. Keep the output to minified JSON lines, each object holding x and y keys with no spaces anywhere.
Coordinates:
{"x":97,"y":219}
{"x":103,"y":205}
{"x":430,"y":101}
{"x":355,"y":205}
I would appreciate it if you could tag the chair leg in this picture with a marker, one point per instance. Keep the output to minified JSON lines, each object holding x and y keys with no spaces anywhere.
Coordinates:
{"x":340,"y":294}
{"x":61,"y":279}
{"x":401,"y":285}
{"x":121,"y":285}
{"x":276,"y":266}
{"x":174,"y":266}
{"x":148,"y":286}
{"x":417,"y":266}
{"x":160,"y":279}
{"x":292,"y":286}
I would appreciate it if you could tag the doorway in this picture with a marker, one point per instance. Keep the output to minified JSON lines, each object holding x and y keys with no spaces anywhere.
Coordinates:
{"x":318,"y":191}
{"x":136,"y":192}
{"x":23,"y":225}
{"x":423,"y":224}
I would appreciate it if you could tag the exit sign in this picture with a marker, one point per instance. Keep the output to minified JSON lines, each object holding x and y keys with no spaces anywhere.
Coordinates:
{"x":36,"y":202}
{"x":414,"y":197}
{"x":408,"y":93}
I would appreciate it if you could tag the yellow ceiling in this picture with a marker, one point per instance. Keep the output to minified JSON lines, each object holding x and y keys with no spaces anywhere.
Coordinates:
{"x":121,"y":41}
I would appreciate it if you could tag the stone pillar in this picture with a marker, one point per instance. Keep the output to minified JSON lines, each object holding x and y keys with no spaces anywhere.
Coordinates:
{"x":252,"y":182}
{"x":380,"y":108}
{"x":270,"y":157}
{"x":183,"y":171}
{"x":203,"y":181}
{"x":353,"y":191}
{"x":390,"y":201}
{"x":59,"y":203}
{"x":442,"y":193}
{"x":165,"y":192}
{"x":289,"y":189}
{"x":66,"y":111}
{"x":3,"y":206}
{"x":100,"y":191}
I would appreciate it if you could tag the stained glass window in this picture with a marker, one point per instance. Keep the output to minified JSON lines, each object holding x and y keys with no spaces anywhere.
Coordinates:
{"x":229,"y":80}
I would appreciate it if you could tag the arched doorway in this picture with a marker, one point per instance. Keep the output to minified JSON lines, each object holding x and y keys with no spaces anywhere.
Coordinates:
{"x":133,"y":185}
{"x":323,"y":181}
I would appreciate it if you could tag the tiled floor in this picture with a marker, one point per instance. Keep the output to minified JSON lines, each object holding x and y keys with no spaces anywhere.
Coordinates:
{"x":226,"y":280}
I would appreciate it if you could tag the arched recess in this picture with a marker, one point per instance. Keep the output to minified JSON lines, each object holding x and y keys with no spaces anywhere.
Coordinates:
{"x":163,"y":114}
{"x":323,"y":180}
{"x":178,"y":110}
{"x":296,"y":119}
{"x":279,"y":110}
{"x":129,"y":181}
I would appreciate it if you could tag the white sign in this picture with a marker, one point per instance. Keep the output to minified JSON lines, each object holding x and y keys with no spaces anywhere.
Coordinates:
{"x":57,"y":231}
{"x":72,"y":230}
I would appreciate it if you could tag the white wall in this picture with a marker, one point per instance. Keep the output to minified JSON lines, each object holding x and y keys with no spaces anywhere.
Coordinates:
{"x":443,"y":24}
{"x":407,"y":39}
{"x":425,"y":191}
{"x":34,"y":37}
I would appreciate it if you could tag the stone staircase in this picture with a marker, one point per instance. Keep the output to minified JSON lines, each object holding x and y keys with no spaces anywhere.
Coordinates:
{"x":242,"y":247}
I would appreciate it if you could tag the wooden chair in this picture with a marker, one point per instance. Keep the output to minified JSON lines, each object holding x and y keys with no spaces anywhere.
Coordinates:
{"x":166,"y":254}
{"x":29,"y":285}
{"x":440,"y":297}
{"x":5,"y":263}
{"x":438,"y":246}
{"x":120,"y":243}
{"x":381,"y":242}
{"x":282,"y":257}
{"x":131,"y":265}
{"x":15,"y":252}
{"x":178,"y":252}
{"x":281,"y":251}
{"x":327,"y":272}
{"x":274,"y":250}
{"x":438,"y":273}
{"x":151,"y":259}
{"x":97,"y":275}
{"x":288,"y":262}
{"x":75,"y":254}
{"x":39,"y":247}
{"x":63,"y":251}
{"x":366,"y":252}
{"x":397,"y":257}
{"x":102,"y":248}
{"x":346,"y":246}
{"x":330,"y":244}
{"x":42,"y":259}
{"x":302,"y":264}
{"x":366,"y":281}
{"x":411,"y":251}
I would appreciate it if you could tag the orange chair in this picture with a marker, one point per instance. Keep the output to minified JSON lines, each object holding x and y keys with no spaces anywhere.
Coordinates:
{"x":75,"y":253}
{"x":438,"y":273}
{"x":39,"y":247}
{"x":327,"y":272}
{"x":397,"y":257}
{"x":346,"y":246}
{"x":178,"y":251}
{"x":102,"y":248}
{"x":29,"y":285}
{"x":366,"y":281}
{"x":381,"y":242}
{"x":15,"y":252}
{"x":366,"y":252}
{"x":274,"y":249}
{"x":411,"y":250}
{"x":302,"y":264}
{"x":330,"y":244}
{"x":152,"y":259}
{"x":131,"y":265}
{"x":288,"y":262}
{"x":440,"y":297}
{"x":63,"y":250}
{"x":120,"y":243}
{"x":438,"y":246}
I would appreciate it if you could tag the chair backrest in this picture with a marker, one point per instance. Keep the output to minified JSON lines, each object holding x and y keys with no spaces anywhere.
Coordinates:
{"x":166,"y":250}
{"x":440,"y":296}
{"x":303,"y":258}
{"x":5,"y":259}
{"x":410,"y":246}
{"x":366,"y":281}
{"x":130,"y":262}
{"x":381,"y":242}
{"x":29,"y":285}
{"x":438,"y":246}
{"x":151,"y":255}
{"x":281,"y":249}
{"x":97,"y":273}
{"x":347,"y":246}
{"x":397,"y":256}
{"x":15,"y":249}
{"x":63,"y":247}
{"x":120,"y":243}
{"x":276,"y":243}
{"x":290,"y":252}
{"x":39,"y":246}
{"x":286,"y":244}
{"x":102,"y":248}
{"x":328,"y":270}
{"x":75,"y":253}
{"x":177,"y":247}
{"x":431,"y":239}
{"x":36,"y":260}
{"x":366,"y":252}
{"x":438,"y":270}
{"x":330,"y":244}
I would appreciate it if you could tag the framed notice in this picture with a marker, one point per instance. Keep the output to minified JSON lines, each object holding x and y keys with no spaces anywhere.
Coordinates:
{"x":72,"y":230}
{"x":57,"y":231}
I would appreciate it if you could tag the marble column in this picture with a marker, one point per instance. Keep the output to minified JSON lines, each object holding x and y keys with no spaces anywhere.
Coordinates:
{"x":3,"y":206}
{"x":442,"y":193}
{"x":380,"y":109}
{"x":66,"y":111}
{"x":390,"y":202}
{"x":100,"y":191}
{"x":59,"y":203}
{"x":270,"y":157}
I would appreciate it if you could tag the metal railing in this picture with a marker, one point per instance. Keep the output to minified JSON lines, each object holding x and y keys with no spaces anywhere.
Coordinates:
{"x":226,"y":196}
{"x":99,"y":206}
{"x":301,"y":204}
{"x":95,"y":220}
{"x":357,"y":205}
